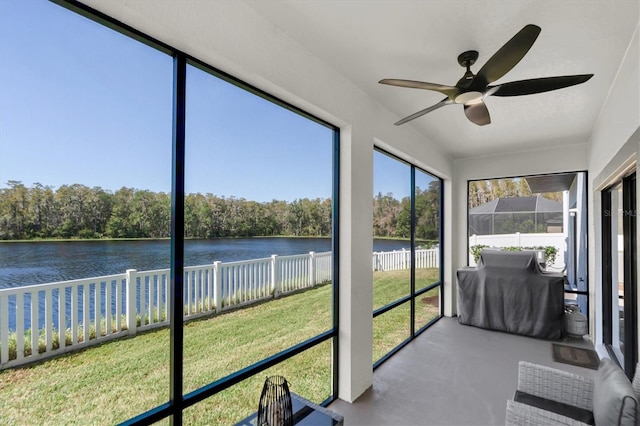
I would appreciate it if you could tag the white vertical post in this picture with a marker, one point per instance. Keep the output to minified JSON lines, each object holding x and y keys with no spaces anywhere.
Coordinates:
{"x":119,"y":311}
{"x":19,"y":326}
{"x":62,"y":317}
{"x":404,"y":258}
{"x":200,"y":291}
{"x":35,"y":331}
{"x":312,"y":269}
{"x":235,"y":280}
{"x":74,"y":315}
{"x":4,"y":329}
{"x":518,"y":244}
{"x":150,"y":297}
{"x":85,"y":311}
{"x":108,"y":313}
{"x":132,"y":282}
{"x":143,"y":299}
{"x":98,"y":309}
{"x":159,"y":279}
{"x":274,"y":275}
{"x":48,"y":319}
{"x":210,"y":300}
{"x":187,"y":293}
{"x":244,"y":282}
{"x":217,"y":285}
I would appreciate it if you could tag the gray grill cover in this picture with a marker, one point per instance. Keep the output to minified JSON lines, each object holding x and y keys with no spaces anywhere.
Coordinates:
{"x":508,"y":291}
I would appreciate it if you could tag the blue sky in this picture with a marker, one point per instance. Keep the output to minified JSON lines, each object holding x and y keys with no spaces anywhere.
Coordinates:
{"x":80,"y":103}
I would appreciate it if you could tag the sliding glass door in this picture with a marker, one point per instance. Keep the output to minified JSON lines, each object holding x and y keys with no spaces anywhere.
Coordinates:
{"x":619,"y":272}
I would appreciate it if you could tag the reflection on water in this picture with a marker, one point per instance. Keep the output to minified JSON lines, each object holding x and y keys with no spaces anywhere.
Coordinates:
{"x":44,"y":262}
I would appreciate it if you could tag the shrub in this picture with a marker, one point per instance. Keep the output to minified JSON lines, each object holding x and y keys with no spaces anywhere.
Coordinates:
{"x":476,"y":250}
{"x":550,"y":251}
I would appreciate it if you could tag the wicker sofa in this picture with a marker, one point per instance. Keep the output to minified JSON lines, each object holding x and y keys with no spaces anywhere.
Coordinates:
{"x":548,"y":396}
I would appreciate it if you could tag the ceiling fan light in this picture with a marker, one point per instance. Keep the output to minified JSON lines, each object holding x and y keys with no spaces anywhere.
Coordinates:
{"x":468,"y":98}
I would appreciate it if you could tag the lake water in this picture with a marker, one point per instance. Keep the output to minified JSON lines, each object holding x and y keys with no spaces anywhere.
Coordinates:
{"x":44,"y":262}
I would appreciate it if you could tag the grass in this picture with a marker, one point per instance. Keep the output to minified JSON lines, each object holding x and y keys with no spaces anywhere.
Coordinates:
{"x":393,"y":327}
{"x":119,"y":379}
{"x":68,"y":335}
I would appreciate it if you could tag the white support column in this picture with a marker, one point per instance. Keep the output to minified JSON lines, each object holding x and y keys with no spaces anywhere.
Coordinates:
{"x":132,"y":283}
{"x":356,"y":275}
{"x":456,"y":250}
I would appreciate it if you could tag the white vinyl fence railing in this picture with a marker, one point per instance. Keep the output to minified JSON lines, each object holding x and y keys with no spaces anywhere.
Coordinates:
{"x":401,"y":259}
{"x":92,"y":310}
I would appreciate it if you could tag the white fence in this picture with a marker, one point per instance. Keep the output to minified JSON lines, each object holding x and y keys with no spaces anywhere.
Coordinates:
{"x":523,"y":240}
{"x":401,"y":259}
{"x":93,"y":310}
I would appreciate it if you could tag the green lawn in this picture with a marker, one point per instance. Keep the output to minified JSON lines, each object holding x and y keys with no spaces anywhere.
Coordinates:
{"x":393,"y":327}
{"x":117,"y":380}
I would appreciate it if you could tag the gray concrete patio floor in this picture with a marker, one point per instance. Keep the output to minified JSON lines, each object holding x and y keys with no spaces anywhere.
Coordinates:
{"x":451,"y":374}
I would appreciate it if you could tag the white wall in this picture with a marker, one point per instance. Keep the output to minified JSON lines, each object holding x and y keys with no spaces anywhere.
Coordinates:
{"x":614,"y":143}
{"x":234,"y":38}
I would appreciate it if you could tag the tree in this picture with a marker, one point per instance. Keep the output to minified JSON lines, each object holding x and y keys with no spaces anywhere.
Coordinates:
{"x":385,"y":215}
{"x":14,"y":210}
{"x":120,"y":223}
{"x":428,"y":212}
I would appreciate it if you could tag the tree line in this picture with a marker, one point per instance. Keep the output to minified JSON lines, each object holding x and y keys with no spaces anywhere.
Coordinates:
{"x":483,"y":191}
{"x":78,"y":211}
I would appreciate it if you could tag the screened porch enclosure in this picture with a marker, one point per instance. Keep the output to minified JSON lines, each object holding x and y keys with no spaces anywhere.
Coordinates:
{"x":535,"y":214}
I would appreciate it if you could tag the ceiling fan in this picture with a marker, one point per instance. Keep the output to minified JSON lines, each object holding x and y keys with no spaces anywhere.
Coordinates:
{"x":471,"y":89}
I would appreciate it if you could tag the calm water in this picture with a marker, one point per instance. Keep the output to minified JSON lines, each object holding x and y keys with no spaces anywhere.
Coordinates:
{"x":44,"y":262}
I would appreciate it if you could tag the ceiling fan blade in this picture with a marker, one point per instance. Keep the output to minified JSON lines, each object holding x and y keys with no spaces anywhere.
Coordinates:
{"x":507,"y":56}
{"x":440,"y":104}
{"x":412,"y":84}
{"x":539,"y":85}
{"x":477,"y":113}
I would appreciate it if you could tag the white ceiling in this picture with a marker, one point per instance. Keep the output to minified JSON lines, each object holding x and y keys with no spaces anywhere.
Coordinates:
{"x":420,"y":40}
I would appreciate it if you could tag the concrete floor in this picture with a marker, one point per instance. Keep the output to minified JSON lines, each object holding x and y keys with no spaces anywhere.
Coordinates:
{"x":452,"y":374}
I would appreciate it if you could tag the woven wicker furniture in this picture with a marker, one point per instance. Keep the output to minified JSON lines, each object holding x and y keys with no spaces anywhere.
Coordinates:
{"x":609,"y":397}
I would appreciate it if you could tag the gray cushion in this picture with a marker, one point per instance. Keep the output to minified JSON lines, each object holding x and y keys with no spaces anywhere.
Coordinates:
{"x":614,"y":400}
{"x":566,"y":410}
